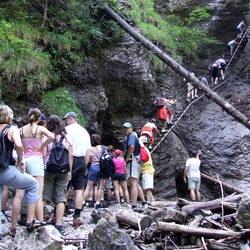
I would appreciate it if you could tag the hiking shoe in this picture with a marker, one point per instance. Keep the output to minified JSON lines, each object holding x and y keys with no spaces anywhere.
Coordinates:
{"x":122,"y":199}
{"x":97,"y":206}
{"x":60,"y":229}
{"x":163,"y":130}
{"x":77,"y":221}
{"x":150,"y":147}
{"x":188,"y":99}
{"x":67,"y":211}
{"x":91,"y":203}
{"x":196,"y":96}
{"x":22,"y":220}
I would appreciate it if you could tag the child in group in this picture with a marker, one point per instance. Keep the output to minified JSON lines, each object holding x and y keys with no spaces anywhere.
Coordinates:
{"x":147,"y":172}
{"x":119,"y":178}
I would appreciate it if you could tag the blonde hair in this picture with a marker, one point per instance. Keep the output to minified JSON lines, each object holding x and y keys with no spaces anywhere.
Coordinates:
{"x":34,"y":115}
{"x":6,"y":114}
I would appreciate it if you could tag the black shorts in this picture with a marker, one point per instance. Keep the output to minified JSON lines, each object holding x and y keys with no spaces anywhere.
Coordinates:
{"x":118,"y":177}
{"x":78,"y":173}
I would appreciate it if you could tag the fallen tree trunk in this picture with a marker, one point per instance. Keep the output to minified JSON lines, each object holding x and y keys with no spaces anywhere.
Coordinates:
{"x":133,"y":219}
{"x":208,"y":233}
{"x":225,"y":185}
{"x":209,"y":205}
{"x":178,"y":68}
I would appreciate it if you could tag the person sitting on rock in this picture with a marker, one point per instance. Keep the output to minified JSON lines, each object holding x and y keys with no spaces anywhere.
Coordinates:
{"x":147,"y":130}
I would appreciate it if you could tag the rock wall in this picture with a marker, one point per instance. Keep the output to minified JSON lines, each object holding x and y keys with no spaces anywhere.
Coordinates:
{"x":119,"y":84}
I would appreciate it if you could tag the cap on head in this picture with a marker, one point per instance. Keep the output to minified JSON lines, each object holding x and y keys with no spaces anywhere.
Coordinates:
{"x":127,"y":125}
{"x":153,"y":120}
{"x":118,"y":152}
{"x":43,"y":117}
{"x":70,"y":114}
{"x":144,"y":139}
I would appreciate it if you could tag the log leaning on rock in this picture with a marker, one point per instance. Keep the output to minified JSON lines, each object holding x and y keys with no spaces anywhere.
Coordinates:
{"x":208,"y":233}
{"x":214,"y":204}
{"x":225,"y":185}
{"x":133,"y":219}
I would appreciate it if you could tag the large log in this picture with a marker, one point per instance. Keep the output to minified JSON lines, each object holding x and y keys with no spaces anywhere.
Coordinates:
{"x":210,"y":205}
{"x":133,"y":219}
{"x":206,"y":232}
{"x":225,"y":185}
{"x":230,"y":109}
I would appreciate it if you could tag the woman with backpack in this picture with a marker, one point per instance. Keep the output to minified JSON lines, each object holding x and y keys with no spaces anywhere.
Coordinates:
{"x":32,"y":138}
{"x":56,"y":181}
{"x":14,"y":175}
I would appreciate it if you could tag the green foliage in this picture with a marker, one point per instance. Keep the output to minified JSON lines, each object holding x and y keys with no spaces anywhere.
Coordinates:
{"x":59,"y":102}
{"x":174,"y":34}
{"x":42,"y":54}
{"x":158,"y":64}
{"x":96,"y":100}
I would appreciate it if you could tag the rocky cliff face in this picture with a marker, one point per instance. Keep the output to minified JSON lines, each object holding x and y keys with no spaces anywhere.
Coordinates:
{"x":120,"y":84}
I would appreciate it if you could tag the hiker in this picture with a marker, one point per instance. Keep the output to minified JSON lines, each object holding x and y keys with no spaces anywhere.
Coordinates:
{"x":170,"y":102}
{"x":14,"y":175}
{"x":215,"y":73}
{"x":232,"y":45}
{"x":81,"y":143}
{"x":203,"y":79}
{"x":32,"y":138}
{"x":57,"y":183}
{"x":147,"y":173}
{"x":222,"y":65}
{"x":108,"y":183}
{"x":132,"y":152}
{"x":192,"y":175}
{"x":119,"y":178}
{"x":147,"y":130}
{"x":241,"y":27}
{"x":191,"y":89}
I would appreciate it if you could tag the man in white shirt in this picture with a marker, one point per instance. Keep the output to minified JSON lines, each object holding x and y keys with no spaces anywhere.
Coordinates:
{"x":192,"y":176}
{"x":81,"y":143}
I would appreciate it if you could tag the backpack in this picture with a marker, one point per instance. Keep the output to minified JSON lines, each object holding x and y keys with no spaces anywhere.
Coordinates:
{"x":159,"y":102}
{"x":144,"y":157}
{"x":4,"y":154}
{"x":107,"y":166}
{"x":59,"y":158}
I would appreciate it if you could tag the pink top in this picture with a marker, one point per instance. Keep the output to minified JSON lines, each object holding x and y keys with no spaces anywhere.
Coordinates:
{"x":119,"y":165}
{"x":29,"y":143}
{"x":66,"y":143}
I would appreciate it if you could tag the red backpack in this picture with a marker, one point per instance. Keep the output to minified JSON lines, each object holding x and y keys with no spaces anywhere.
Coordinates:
{"x":144,"y":157}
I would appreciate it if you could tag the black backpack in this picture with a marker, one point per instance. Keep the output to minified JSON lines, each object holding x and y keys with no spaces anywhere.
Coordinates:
{"x":107,"y":166}
{"x":59,"y":158}
{"x":4,"y":154}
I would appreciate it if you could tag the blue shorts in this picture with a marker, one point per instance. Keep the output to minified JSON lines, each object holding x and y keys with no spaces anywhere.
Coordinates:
{"x":118,"y":177}
{"x":93,"y":173}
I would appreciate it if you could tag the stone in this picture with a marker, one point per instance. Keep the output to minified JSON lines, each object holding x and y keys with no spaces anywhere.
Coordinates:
{"x":107,"y":236}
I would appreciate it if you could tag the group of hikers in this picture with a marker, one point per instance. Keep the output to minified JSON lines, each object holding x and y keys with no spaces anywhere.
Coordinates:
{"x":217,"y":68}
{"x":37,"y":179}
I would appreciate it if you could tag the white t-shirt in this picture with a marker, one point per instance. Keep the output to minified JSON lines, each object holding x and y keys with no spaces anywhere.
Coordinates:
{"x":194,"y":167}
{"x":150,"y":124}
{"x":80,"y":139}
